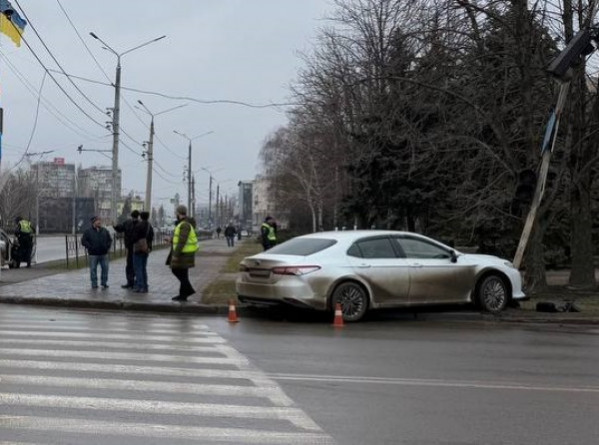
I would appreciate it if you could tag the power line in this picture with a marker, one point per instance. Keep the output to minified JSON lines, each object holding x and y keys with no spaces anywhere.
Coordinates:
{"x":37,"y":112}
{"x":59,"y":85}
{"x":60,"y":117}
{"x":187,"y":98}
{"x":56,"y":60}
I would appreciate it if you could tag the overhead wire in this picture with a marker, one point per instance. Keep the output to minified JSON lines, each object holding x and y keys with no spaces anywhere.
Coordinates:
{"x":62,"y":118}
{"x":37,"y":112}
{"x":55,"y":59}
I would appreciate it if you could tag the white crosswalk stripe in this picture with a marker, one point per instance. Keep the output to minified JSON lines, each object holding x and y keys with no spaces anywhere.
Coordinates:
{"x":169,"y":381}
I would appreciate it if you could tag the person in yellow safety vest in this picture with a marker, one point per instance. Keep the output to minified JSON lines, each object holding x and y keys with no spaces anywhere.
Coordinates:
{"x":268,"y":233}
{"x":24,"y":234}
{"x":183,"y":251}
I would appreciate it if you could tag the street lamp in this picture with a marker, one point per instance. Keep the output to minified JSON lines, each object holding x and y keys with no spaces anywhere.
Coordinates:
{"x":116,"y":115}
{"x":148,"y":203}
{"x":189,"y":191}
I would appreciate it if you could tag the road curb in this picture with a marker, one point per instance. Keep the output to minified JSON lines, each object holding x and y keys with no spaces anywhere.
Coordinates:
{"x":248,"y":312}
{"x":190,"y":307}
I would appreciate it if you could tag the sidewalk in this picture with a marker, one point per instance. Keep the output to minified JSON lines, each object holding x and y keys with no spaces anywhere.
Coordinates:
{"x":73,"y":288}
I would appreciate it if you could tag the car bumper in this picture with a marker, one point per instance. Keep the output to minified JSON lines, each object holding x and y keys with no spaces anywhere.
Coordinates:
{"x":288,"y":292}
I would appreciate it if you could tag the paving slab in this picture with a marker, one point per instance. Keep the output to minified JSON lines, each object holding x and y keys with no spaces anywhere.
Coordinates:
{"x":73,"y":288}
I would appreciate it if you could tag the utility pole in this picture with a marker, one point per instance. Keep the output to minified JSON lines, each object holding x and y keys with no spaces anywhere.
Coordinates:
{"x":193,"y":194}
{"x":216,"y":211}
{"x":210,"y":203}
{"x":116,"y":118}
{"x":148,"y":203}
{"x":189,"y":209}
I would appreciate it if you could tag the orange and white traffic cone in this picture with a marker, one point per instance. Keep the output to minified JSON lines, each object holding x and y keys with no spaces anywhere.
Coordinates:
{"x":338,"y":322}
{"x":232,"y":312}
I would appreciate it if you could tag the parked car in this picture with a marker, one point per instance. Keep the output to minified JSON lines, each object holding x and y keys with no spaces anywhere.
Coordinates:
{"x":10,"y":251}
{"x":364,"y":270}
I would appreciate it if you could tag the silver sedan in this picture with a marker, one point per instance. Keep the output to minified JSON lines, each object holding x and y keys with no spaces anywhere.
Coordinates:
{"x":374,"y":269}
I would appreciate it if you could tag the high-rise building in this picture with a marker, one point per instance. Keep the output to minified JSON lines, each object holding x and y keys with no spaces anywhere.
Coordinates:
{"x":55,"y":179}
{"x":96,"y":182}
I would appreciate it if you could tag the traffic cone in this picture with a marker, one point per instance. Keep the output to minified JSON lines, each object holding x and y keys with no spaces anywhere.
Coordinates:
{"x":232,"y":312}
{"x":338,"y":322}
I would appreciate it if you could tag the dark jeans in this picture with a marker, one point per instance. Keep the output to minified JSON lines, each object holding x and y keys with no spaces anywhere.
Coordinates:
{"x":130,"y":269}
{"x":102,"y":260}
{"x":231,"y":241}
{"x":140,"y":262}
{"x":185,"y":289}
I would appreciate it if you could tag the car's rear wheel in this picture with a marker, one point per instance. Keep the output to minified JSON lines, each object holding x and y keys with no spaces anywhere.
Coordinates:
{"x":353,"y":300}
{"x":493,"y":294}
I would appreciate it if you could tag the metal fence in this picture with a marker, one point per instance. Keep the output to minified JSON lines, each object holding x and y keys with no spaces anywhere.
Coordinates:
{"x":76,"y":253}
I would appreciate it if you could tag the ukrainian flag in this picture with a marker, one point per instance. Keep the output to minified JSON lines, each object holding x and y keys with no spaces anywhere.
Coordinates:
{"x":11,"y":23}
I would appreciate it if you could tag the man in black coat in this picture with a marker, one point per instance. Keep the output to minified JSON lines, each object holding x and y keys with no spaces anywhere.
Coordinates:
{"x":128,"y":228}
{"x":97,"y":241}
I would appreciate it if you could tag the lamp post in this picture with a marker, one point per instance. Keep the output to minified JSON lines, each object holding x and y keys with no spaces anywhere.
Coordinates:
{"x":150,"y":151}
{"x":191,"y":210}
{"x":116,"y":115}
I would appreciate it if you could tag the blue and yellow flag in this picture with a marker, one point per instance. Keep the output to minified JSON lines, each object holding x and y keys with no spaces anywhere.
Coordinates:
{"x":11,"y":23}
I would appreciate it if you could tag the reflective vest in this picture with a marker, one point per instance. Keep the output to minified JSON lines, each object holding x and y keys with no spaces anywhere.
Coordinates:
{"x":191,"y":245}
{"x":272,"y":236}
{"x":25,"y":227}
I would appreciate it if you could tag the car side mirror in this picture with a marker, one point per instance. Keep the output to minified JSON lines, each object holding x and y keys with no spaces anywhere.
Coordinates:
{"x":454,"y":257}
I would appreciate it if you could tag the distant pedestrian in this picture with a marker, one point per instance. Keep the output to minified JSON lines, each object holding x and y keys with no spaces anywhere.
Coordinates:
{"x":239,"y":233}
{"x":143,"y":236}
{"x":127,"y":228}
{"x":268,"y":233}
{"x":230,"y":235}
{"x":24,"y":234}
{"x":183,"y":251}
{"x":97,"y":241}
{"x":218,"y":230}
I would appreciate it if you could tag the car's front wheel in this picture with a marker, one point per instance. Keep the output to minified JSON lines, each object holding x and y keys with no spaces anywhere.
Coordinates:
{"x":493,"y":294}
{"x":353,"y":300}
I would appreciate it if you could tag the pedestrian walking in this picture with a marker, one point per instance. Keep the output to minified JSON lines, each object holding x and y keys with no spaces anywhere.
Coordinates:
{"x":127,"y":228}
{"x":268,"y":233}
{"x":183,"y":251}
{"x":97,"y":241}
{"x":230,"y":235}
{"x":218,"y":231}
{"x":24,"y":235}
{"x":143,"y":236}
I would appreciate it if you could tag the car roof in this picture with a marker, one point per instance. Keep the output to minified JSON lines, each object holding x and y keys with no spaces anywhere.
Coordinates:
{"x":348,"y":235}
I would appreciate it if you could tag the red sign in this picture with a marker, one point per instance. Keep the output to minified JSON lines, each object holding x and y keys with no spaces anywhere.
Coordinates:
{"x":59,"y":161}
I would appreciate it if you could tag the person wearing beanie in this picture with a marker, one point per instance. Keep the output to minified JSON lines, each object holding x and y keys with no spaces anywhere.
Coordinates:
{"x":97,"y":241}
{"x":128,"y":228}
{"x":183,"y":251}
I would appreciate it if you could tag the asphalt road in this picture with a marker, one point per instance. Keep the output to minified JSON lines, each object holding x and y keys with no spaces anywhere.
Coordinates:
{"x":401,"y":381}
{"x":111,"y":378}
{"x":50,"y":248}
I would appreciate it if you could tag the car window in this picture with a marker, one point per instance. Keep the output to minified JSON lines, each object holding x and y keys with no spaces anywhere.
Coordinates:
{"x":302,"y":246}
{"x":372,"y":248}
{"x":417,"y":248}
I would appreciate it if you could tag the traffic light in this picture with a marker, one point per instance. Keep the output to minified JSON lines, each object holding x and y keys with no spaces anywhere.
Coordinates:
{"x":570,"y":56}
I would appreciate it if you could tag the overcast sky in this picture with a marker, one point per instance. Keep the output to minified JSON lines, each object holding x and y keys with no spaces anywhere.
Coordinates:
{"x":241,"y":50}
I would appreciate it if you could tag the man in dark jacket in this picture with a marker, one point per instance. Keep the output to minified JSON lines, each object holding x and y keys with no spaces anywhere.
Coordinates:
{"x":230,"y":235}
{"x":97,"y":241}
{"x":24,"y":233}
{"x":143,"y":231}
{"x":127,"y":228}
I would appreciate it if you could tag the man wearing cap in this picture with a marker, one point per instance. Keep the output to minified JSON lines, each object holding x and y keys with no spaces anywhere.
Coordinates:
{"x":183,"y":251}
{"x":97,"y":241}
{"x":128,"y":228}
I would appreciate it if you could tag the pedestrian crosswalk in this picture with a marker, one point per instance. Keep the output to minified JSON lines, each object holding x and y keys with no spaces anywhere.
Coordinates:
{"x":99,"y":378}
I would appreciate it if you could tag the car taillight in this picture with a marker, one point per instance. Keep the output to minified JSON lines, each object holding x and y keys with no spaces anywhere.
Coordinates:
{"x":243,"y":268}
{"x":294,"y":270}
